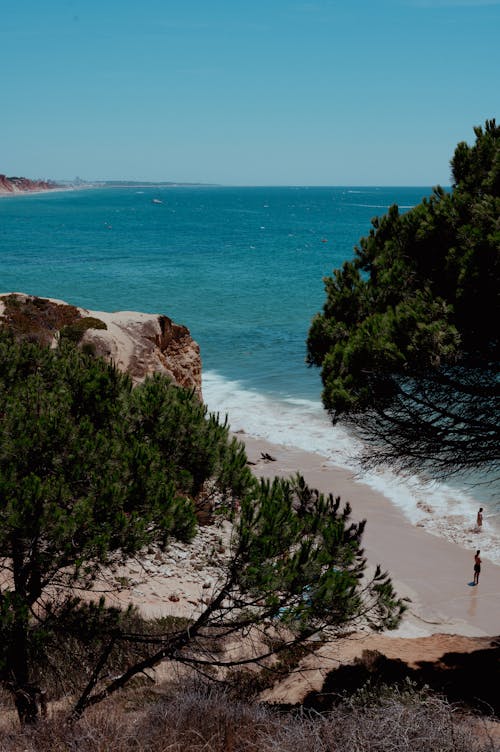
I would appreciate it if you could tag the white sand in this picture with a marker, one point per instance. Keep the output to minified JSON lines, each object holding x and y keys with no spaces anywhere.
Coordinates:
{"x":433,"y":572}
{"x":446,"y":614}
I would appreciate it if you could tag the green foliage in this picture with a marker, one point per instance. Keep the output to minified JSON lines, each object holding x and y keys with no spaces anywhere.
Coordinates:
{"x":417,"y":306}
{"x":75,"y":331}
{"x":92,"y":471}
{"x":193,"y":443}
{"x":296,"y":570}
{"x":296,"y":543}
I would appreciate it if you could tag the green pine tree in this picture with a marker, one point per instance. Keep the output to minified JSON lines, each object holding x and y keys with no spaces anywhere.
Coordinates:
{"x":408,"y":340}
{"x":92,"y":471}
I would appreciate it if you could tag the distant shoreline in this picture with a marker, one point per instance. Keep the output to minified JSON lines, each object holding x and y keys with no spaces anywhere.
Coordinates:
{"x":101,"y":186}
{"x":37,"y":191}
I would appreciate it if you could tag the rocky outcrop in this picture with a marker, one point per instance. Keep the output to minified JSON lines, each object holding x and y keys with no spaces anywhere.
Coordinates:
{"x":25,"y":185}
{"x":144,"y":343}
{"x":138,"y":343}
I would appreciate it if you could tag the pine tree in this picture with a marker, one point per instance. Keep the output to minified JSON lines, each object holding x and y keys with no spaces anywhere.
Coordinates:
{"x":92,"y":471}
{"x":408,"y":338}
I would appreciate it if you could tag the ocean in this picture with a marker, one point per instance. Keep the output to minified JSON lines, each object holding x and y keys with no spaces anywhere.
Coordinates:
{"x":243,"y":268}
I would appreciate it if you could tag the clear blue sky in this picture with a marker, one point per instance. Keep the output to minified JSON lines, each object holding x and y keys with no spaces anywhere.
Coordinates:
{"x":245,"y":92}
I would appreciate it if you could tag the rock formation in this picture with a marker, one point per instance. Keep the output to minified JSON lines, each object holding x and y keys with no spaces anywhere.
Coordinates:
{"x":145,"y":343}
{"x":139,"y":343}
{"x":25,"y":185}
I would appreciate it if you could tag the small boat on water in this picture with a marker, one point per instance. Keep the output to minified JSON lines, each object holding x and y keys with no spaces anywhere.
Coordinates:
{"x":156,"y":201}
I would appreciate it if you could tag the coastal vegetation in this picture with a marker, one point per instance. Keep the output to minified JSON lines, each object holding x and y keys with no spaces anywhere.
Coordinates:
{"x":92,"y":472}
{"x":407,"y":341}
{"x":96,"y":475}
{"x":195,"y":717}
{"x":43,"y":320}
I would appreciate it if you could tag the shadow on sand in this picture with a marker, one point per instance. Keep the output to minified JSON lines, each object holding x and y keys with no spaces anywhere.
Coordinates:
{"x":471,"y":678}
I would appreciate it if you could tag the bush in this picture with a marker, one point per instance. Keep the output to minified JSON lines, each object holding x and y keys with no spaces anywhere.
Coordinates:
{"x":75,"y":331}
{"x":191,"y":718}
{"x":36,"y":319}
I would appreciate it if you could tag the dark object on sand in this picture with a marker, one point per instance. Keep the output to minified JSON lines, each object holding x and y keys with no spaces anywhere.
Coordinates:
{"x":267,"y":457}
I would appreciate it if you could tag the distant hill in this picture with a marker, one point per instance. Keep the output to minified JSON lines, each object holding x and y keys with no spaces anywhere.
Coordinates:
{"x":25,"y":185}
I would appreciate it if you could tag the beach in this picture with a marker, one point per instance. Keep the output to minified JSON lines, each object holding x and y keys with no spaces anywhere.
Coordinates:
{"x":256,"y":260}
{"x":449,"y":623}
{"x":434,"y":573}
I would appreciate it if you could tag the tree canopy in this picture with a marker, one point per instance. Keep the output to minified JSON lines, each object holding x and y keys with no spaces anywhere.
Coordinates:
{"x":407,"y":341}
{"x":92,"y":471}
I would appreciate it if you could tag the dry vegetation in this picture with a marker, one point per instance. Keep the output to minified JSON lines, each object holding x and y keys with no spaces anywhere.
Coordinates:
{"x":40,"y":319}
{"x":192,"y":717}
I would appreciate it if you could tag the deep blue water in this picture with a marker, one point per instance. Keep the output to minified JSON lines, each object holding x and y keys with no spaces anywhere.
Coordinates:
{"x":241,"y":267}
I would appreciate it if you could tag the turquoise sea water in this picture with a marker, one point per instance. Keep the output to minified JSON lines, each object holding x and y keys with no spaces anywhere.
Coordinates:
{"x":243,"y":269}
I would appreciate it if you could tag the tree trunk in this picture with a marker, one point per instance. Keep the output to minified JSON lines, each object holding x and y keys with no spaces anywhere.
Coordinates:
{"x":26,"y":701}
{"x":26,"y":696}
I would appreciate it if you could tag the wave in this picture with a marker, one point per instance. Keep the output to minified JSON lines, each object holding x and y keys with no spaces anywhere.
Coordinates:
{"x":385,"y":207}
{"x":440,"y":508}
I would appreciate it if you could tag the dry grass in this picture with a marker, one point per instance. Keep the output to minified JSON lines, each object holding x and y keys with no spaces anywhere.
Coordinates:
{"x":196,"y":718}
{"x":38,"y":319}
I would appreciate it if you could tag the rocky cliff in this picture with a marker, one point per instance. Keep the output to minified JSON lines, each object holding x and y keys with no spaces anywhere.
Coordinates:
{"x":139,"y":343}
{"x":25,"y":185}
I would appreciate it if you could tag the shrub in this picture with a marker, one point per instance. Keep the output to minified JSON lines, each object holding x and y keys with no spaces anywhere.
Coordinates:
{"x":75,"y":331}
{"x":191,"y":717}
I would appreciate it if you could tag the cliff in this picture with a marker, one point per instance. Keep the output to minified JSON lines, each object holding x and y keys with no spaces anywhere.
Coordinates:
{"x":138,"y":343}
{"x":25,"y":185}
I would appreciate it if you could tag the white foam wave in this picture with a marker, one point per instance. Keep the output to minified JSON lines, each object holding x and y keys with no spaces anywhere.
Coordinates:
{"x":383,"y":206}
{"x":293,"y":422}
{"x":303,"y":424}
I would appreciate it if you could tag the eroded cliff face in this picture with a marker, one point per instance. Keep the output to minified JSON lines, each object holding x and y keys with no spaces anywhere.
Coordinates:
{"x":138,"y":343}
{"x":143,"y":344}
{"x":24,"y":185}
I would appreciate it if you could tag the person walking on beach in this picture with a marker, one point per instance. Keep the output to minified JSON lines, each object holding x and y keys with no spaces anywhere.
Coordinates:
{"x":479,"y":521}
{"x":477,"y":567}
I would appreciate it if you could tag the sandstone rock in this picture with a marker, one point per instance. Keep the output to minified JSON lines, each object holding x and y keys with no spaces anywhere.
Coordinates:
{"x":143,"y":344}
{"x":139,"y":343}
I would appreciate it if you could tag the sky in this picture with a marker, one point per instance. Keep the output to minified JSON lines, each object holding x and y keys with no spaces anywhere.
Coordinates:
{"x":239,"y":92}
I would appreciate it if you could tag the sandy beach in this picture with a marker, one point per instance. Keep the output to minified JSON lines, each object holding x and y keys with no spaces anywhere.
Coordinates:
{"x":448,"y":620}
{"x":434,"y":573}
{"x":447,"y":616}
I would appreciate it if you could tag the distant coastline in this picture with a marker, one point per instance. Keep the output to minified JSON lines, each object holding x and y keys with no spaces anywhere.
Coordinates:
{"x":19,"y":186}
{"x":10,"y":186}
